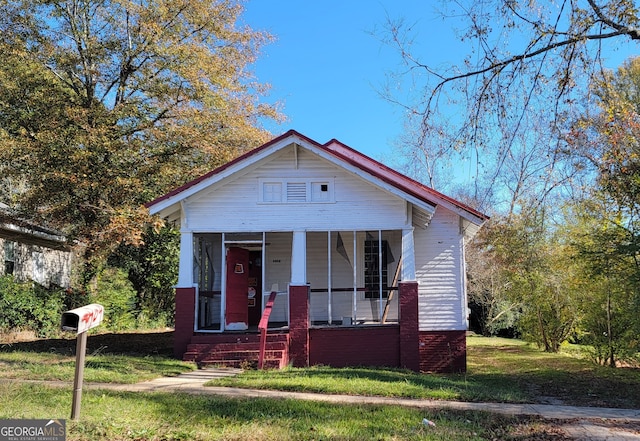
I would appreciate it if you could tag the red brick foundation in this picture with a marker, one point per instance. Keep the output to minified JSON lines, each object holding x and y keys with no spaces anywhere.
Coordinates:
{"x":443,"y":351}
{"x":184,"y":320}
{"x":299,"y":325}
{"x":354,"y":346}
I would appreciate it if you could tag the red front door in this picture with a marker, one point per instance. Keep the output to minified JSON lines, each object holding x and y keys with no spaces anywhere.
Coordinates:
{"x":237,"y":315}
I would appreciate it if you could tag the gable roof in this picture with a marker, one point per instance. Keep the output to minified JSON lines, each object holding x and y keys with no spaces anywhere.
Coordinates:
{"x":336,"y":152}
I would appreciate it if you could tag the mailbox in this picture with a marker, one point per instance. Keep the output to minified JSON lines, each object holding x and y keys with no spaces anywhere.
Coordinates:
{"x":82,"y":319}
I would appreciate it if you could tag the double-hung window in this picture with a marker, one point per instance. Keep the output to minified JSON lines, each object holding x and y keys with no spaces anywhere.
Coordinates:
{"x":9,"y":257}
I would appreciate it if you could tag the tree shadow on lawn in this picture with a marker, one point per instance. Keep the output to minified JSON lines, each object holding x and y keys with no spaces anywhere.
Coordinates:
{"x":558,"y":377}
{"x":128,"y":343}
{"x":592,"y":387}
{"x":382,"y":382}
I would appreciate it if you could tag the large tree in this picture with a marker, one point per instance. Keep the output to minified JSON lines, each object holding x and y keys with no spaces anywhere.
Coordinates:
{"x":604,"y":248}
{"x":604,"y":146}
{"x":525,"y":66}
{"x":107,"y":103}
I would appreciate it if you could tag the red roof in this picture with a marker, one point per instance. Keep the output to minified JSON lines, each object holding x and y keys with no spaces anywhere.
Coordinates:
{"x":350,"y":156}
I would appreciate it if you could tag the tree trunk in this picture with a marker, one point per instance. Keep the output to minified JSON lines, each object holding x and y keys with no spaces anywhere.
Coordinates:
{"x":543,"y":333}
{"x":612,"y":359}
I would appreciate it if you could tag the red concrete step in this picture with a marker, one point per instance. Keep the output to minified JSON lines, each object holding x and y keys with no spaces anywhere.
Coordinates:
{"x":236,"y":338}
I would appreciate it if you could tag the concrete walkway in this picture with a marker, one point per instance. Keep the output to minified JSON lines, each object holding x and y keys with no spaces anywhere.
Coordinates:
{"x":588,"y":425}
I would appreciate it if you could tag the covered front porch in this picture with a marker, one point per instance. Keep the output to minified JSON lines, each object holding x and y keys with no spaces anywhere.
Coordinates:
{"x":338,"y":294}
{"x":352,"y":275}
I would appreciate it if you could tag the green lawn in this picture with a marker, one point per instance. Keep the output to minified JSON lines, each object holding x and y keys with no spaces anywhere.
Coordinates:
{"x":499,"y":370}
{"x":111,"y":358}
{"x":107,"y":415}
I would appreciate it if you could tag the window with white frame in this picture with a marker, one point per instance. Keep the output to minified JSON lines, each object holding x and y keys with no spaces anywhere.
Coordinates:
{"x":271,"y":191}
{"x":9,"y":257}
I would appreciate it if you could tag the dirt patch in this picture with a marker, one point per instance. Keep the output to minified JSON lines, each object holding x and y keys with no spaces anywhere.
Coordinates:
{"x":596,"y":430}
{"x":18,"y":336}
{"x":130,"y":343}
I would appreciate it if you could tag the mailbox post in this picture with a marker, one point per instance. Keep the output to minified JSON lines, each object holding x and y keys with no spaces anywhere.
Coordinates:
{"x":80,"y":320}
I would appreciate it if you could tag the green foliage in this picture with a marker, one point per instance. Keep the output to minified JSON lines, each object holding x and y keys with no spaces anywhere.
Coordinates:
{"x":114,"y":292}
{"x":152,"y":269}
{"x":604,"y":227}
{"x":534,"y":278}
{"x":27,"y":306}
{"x":107,"y":104}
{"x":610,"y":306}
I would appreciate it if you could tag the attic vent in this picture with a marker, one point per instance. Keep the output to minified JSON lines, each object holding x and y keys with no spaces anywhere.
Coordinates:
{"x":296,"y":191}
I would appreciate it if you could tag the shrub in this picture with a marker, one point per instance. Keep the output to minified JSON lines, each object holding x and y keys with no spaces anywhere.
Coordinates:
{"x":114,"y":291}
{"x":27,"y":306}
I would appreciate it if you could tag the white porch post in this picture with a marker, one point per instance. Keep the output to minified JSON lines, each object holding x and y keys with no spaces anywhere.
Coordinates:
{"x":299,"y":259}
{"x":408,"y":256}
{"x":185,"y":269}
{"x":329,"y":294}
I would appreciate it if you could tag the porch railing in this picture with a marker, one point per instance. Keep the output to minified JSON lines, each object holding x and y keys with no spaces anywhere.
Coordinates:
{"x":263,"y":325}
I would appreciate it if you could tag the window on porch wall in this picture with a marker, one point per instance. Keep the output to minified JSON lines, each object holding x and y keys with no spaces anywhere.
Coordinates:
{"x":353,"y":277}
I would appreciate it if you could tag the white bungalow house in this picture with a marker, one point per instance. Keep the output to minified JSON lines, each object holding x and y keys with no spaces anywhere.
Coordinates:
{"x":366,"y":265}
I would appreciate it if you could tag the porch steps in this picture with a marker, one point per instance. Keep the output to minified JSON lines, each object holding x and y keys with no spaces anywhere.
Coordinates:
{"x":240,"y":351}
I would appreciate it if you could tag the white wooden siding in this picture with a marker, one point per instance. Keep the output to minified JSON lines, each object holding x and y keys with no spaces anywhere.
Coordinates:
{"x":43,"y":265}
{"x":439,"y":271}
{"x":234,"y":204}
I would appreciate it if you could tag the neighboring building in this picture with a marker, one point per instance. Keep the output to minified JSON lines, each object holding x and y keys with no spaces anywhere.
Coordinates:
{"x":33,"y":252}
{"x":368,"y":264}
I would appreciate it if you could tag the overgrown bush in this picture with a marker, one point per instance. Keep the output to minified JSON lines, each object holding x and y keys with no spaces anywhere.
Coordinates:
{"x":152,"y":269}
{"x":114,"y":291}
{"x":27,"y":306}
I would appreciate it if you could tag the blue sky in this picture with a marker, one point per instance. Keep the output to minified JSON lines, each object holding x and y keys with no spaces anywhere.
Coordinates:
{"x":327,"y":68}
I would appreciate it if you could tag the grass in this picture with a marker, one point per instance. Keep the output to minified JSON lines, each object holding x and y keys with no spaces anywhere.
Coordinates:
{"x":498,"y":370}
{"x":104,"y":368}
{"x":107,"y":415}
{"x":111,"y":358}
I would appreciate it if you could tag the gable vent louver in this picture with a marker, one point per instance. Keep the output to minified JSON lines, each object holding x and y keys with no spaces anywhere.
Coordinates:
{"x":296,"y":192}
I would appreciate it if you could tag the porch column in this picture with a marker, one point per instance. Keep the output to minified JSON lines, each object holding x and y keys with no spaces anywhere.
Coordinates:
{"x":185,"y":296}
{"x":409,"y":326}
{"x":299,"y":325}
{"x":299,"y":258}
{"x":408,"y":255}
{"x":185,"y":269}
{"x":184,"y":320}
{"x":299,"y":302}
